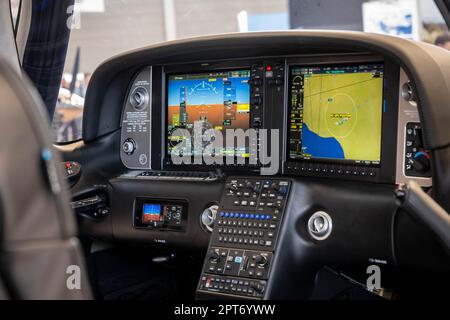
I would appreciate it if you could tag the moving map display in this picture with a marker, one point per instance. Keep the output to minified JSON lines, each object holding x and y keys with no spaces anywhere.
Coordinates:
{"x":336,"y":113}
{"x":215,"y":100}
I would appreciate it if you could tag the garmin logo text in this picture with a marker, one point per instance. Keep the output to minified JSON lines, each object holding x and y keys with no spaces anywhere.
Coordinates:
{"x":202,"y":146}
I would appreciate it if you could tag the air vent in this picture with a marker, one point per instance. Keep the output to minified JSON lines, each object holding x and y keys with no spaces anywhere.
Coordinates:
{"x":408,"y":93}
{"x":208,"y":217}
{"x":139,"y":98}
{"x":320,"y":225}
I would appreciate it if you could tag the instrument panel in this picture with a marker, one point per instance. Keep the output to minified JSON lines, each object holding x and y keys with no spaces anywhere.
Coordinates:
{"x":325,"y":116}
{"x":320,"y":109}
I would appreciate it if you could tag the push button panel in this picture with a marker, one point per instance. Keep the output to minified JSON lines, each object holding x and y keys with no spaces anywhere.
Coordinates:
{"x":245,"y":288}
{"x":417,"y":159}
{"x":246,"y":230}
{"x":235,"y":262}
{"x":245,"y":233}
{"x":250,"y":213}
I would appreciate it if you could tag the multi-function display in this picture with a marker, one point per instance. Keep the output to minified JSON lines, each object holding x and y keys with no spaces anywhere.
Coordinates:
{"x":335,"y":113}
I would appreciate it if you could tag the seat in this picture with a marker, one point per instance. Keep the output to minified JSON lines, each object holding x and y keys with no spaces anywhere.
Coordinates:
{"x":40,"y":255}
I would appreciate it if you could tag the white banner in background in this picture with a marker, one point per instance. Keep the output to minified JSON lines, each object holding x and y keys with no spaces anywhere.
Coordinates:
{"x":94,"y":6}
{"x":393,"y":17}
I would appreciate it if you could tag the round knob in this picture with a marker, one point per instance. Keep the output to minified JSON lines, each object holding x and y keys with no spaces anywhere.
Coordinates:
{"x":208,"y":217}
{"x":176,"y":216}
{"x":233,"y":187}
{"x":257,"y":100}
{"x":129,"y":146}
{"x":275,"y":186}
{"x":214,"y":256}
{"x":256,"y":82}
{"x":256,"y":124}
{"x":320,"y":225}
{"x":139,"y":98}
{"x":258,"y":287}
{"x":261,"y":260}
{"x":421,"y":162}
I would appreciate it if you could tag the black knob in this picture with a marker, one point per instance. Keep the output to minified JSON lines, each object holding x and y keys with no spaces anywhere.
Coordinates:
{"x":421,"y":162}
{"x":257,"y":100}
{"x":275,"y":186}
{"x":257,"y":124}
{"x":257,"y":82}
{"x":214,"y":255}
{"x":261,"y":260}
{"x":233,"y":187}
{"x":258,"y":287}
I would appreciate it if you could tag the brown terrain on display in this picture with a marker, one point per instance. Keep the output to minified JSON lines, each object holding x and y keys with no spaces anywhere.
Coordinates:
{"x":213,"y":113}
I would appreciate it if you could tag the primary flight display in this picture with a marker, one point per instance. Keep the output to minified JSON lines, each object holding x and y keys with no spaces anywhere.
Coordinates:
{"x":217,"y":100}
{"x":336,"y":113}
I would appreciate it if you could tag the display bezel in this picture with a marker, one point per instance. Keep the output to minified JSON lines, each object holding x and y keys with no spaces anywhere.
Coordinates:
{"x":384,"y":115}
{"x":139,"y":213}
{"x":385,"y":171}
{"x":201,"y":68}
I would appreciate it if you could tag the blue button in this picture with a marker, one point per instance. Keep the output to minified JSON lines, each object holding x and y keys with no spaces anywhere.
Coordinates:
{"x":268,"y":217}
{"x":46,"y":154}
{"x":242,"y":215}
{"x":256,"y":216}
{"x":227,"y":214}
{"x":252,"y":216}
{"x":238,"y":259}
{"x":231,"y":215}
{"x":263,"y":217}
{"x":221,"y":214}
{"x":246,"y":216}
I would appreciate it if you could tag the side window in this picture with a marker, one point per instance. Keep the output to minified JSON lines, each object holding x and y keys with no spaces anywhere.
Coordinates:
{"x":68,"y":116}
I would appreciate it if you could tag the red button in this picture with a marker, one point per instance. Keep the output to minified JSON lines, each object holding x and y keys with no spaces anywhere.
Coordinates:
{"x":68,"y":165}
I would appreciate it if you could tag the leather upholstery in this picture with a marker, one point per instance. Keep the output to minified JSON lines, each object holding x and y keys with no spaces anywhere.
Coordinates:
{"x":37,"y":226}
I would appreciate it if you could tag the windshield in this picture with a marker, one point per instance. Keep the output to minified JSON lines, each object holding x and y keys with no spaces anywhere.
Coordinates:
{"x":104,"y":28}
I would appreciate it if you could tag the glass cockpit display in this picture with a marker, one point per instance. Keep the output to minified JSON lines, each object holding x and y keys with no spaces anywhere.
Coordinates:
{"x":336,"y":113}
{"x":198,"y":102}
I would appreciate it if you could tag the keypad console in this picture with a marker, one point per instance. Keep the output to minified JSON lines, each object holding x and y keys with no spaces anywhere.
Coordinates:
{"x":244,"y":238}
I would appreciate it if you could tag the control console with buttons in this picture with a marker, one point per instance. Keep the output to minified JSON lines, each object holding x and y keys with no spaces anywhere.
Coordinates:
{"x":136,"y":123}
{"x":417,"y":159}
{"x":244,"y":237}
{"x":72,"y":172}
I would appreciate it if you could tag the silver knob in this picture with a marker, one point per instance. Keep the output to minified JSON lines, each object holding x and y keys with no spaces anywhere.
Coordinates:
{"x":129,"y":146}
{"x":320,"y":225}
{"x":209,"y":216}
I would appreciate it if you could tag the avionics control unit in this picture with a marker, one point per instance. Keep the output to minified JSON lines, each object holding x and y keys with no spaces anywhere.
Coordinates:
{"x":244,"y":239}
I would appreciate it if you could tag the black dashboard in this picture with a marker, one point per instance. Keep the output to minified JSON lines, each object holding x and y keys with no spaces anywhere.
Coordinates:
{"x":267,"y":99}
{"x":323,"y":126}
